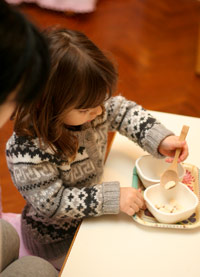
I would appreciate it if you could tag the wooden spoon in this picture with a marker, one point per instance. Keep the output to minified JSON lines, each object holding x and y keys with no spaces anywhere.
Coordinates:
{"x":169,"y":178}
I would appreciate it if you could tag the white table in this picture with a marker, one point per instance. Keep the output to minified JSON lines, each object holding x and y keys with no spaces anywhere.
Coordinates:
{"x":117,"y":246}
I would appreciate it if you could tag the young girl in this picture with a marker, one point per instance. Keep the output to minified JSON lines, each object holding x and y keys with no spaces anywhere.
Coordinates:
{"x":56,"y":154}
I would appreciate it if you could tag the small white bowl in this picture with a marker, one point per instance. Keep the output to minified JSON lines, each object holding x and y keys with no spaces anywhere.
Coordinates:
{"x":181,"y":194}
{"x":150,"y":169}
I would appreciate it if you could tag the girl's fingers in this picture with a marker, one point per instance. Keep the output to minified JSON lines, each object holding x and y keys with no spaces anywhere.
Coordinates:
{"x":135,"y":207}
{"x":184,"y":153}
{"x":130,"y":211}
{"x":139,"y":202}
{"x":179,"y":144}
{"x":139,"y":195}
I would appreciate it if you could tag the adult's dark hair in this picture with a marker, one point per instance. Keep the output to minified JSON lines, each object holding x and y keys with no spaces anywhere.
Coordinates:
{"x":24,"y":58}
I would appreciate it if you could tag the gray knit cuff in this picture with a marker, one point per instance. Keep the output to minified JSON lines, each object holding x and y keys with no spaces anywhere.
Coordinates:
{"x":154,"y":138}
{"x":111,"y":194}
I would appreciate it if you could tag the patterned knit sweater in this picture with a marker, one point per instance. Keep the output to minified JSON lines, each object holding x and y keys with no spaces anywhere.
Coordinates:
{"x":60,"y":193}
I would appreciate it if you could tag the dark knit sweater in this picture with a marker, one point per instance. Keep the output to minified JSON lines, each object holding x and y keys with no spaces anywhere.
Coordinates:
{"x":58,"y":194}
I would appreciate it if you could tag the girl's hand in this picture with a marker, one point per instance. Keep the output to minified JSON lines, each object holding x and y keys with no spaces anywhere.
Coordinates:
{"x":169,"y":145}
{"x":131,"y":200}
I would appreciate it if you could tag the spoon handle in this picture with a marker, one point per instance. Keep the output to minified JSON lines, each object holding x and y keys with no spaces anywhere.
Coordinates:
{"x":182,"y":137}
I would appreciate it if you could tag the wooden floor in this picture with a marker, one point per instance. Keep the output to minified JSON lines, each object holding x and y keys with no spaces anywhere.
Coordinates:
{"x":154,"y":44}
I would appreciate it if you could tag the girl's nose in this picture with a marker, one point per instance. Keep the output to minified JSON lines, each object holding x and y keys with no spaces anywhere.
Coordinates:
{"x":97,"y":110}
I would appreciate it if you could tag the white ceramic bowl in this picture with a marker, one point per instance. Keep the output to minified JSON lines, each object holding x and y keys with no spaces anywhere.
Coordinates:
{"x":181,"y":194}
{"x":150,"y":169}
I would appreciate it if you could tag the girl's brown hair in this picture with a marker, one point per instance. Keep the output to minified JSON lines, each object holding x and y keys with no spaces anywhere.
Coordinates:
{"x":81,"y":76}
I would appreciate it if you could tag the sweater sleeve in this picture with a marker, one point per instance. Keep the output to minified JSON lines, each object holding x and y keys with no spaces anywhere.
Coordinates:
{"x":134,"y":122}
{"x":39,"y":181}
